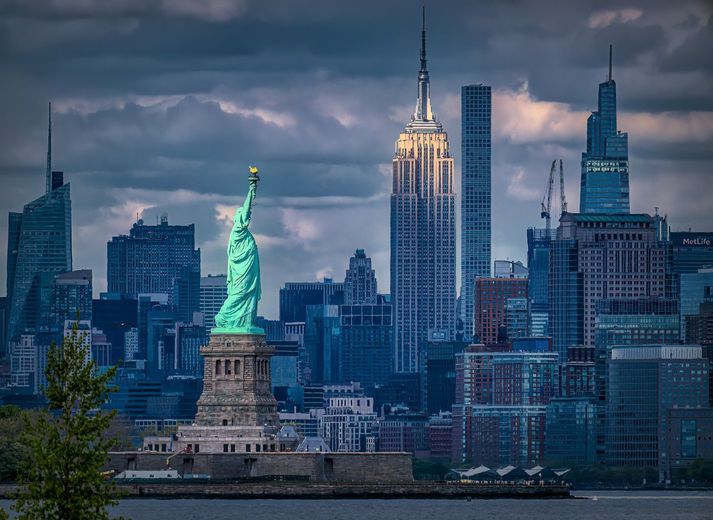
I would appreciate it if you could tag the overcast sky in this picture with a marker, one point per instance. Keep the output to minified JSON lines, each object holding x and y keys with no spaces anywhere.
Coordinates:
{"x":160,"y":106}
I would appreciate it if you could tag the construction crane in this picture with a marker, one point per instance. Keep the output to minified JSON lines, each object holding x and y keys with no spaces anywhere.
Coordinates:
{"x":546,"y":208}
{"x":563,"y":199}
{"x":546,"y":204}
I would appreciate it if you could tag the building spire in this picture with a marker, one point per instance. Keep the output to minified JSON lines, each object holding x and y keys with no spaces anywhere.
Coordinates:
{"x":423,"y":39}
{"x":423,"y":105}
{"x":48,"y":173}
{"x":610,"y":60}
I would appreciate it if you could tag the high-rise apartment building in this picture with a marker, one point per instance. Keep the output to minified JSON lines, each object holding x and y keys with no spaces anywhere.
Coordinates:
{"x":605,"y":164}
{"x":475,"y":194}
{"x":214,"y":291}
{"x":500,"y":411}
{"x":423,"y":247}
{"x":157,"y":259}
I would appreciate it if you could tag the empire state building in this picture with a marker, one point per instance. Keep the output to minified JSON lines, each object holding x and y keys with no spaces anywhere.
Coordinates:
{"x":423,"y":242}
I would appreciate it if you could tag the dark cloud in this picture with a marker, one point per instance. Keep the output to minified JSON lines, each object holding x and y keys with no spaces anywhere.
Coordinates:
{"x":160,"y":106}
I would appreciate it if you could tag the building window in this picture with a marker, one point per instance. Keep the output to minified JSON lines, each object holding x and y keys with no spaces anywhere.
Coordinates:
{"x":218,"y":367}
{"x":257,"y":448}
{"x":198,"y":448}
{"x":225,"y":448}
{"x":247,"y":448}
{"x":232,"y":448}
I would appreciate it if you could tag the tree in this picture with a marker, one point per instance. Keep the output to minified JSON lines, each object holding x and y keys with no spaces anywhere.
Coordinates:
{"x":61,"y":477}
{"x":12,"y":451}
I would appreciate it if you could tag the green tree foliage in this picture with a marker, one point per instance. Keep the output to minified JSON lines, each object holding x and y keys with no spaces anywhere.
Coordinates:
{"x":61,"y":479}
{"x":12,"y":451}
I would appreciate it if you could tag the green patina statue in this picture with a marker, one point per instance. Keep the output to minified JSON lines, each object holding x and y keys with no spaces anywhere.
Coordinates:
{"x":237,"y":315}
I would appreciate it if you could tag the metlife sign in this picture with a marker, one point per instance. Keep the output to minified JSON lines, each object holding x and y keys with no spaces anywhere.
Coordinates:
{"x":689,"y":239}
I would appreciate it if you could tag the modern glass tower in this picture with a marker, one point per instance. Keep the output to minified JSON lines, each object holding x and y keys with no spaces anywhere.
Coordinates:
{"x":423,"y":247}
{"x":605,"y":164}
{"x":475,"y":194}
{"x":39,"y":241}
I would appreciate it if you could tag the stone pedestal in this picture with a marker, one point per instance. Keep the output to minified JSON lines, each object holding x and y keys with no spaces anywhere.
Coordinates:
{"x":237,"y":387}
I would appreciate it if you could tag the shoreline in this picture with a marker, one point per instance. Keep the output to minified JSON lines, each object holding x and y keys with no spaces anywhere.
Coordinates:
{"x":332,"y":490}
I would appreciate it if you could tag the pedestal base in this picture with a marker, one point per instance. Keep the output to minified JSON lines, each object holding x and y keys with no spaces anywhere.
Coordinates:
{"x":237,"y":388}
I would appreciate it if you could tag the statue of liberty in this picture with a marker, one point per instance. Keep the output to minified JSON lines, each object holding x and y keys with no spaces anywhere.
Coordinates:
{"x":237,"y":315}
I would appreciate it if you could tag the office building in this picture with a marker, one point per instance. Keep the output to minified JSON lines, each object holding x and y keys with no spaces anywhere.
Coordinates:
{"x":645,"y":383}
{"x":71,"y":296}
{"x":323,"y":344}
{"x":509,"y":269}
{"x":570,"y":434}
{"x":159,"y":259}
{"x":214,"y":291}
{"x":403,"y":432}
{"x":296,"y":296}
{"x":491,"y":296}
{"x":366,"y":342}
{"x":605,"y":165}
{"x":349,"y":424}
{"x":360,"y":280}
{"x":423,"y":247}
{"x":117,"y":318}
{"x":440,"y":375}
{"x":538,"y":266}
{"x":694,"y":289}
{"x":39,"y":241}
{"x":475,"y":195}
{"x":691,"y":251}
{"x":597,"y":257}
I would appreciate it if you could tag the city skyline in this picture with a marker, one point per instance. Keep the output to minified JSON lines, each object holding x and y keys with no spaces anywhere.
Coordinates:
{"x":128,"y":147}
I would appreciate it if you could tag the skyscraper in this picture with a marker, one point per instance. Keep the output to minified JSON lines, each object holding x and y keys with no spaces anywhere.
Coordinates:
{"x":214,"y":291}
{"x":475,"y":194}
{"x":599,"y":257}
{"x":605,"y":164}
{"x":296,"y":296}
{"x":157,"y":259}
{"x":39,"y":241}
{"x":360,"y":281}
{"x":423,"y":247}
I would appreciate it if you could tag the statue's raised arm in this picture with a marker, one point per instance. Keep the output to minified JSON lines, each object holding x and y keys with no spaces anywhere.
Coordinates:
{"x":238,"y":313}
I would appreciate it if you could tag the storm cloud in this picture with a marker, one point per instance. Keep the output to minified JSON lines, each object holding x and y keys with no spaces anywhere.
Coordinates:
{"x":160,"y":106}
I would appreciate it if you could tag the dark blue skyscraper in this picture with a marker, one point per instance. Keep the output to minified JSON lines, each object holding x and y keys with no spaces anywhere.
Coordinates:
{"x":157,"y":259}
{"x":39,"y":241}
{"x":605,"y":164}
{"x":475,"y":194}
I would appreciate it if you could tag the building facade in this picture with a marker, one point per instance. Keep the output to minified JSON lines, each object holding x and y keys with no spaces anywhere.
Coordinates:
{"x":296,"y":296}
{"x":597,"y":257}
{"x":213,"y":292}
{"x":475,"y":195}
{"x":39,"y":241}
{"x":157,"y":259}
{"x":645,"y":383}
{"x":605,"y":164}
{"x":491,"y":296}
{"x":423,"y":247}
{"x":360,"y":280}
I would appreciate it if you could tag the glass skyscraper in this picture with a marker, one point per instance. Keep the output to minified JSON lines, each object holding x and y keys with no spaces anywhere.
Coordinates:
{"x":39,"y":241}
{"x":423,"y":241}
{"x":605,"y":164}
{"x":475,"y":194}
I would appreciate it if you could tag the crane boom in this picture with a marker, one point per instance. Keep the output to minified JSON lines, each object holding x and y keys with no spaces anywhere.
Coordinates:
{"x":545,"y":211}
{"x":563,"y":198}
